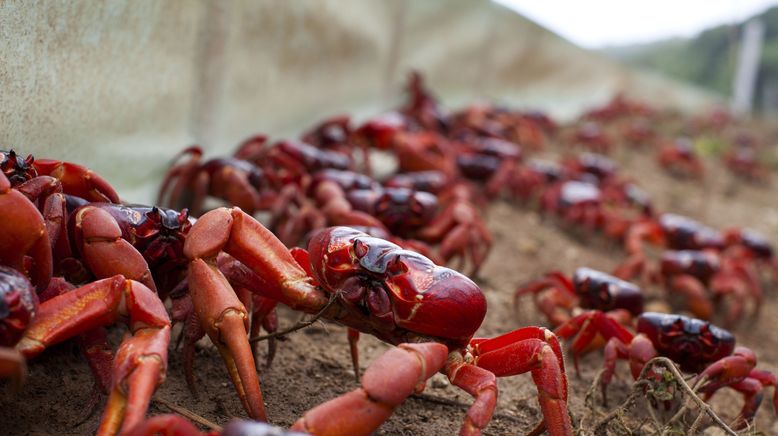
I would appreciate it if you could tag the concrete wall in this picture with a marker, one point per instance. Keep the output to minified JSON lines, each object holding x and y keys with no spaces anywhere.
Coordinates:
{"x":122,"y":85}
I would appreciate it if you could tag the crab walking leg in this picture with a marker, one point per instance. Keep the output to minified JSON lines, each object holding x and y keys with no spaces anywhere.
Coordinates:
{"x":586,"y":327}
{"x":737,"y":372}
{"x":219,"y":310}
{"x":530,"y":349}
{"x":178,"y":176}
{"x":140,"y":363}
{"x":363,"y":410}
{"x":12,"y":366}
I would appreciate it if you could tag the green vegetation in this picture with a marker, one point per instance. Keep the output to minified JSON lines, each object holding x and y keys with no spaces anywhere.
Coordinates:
{"x":708,"y":60}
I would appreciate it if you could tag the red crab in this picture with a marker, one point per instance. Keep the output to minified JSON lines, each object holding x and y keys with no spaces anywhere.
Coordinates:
{"x":140,"y":363}
{"x":704,"y":277}
{"x":752,"y":247}
{"x":591,"y":136}
{"x":74,"y":179}
{"x":743,"y":162}
{"x":577,"y":203}
{"x":375,"y":287}
{"x":672,"y":231}
{"x":695,"y":345}
{"x":237,"y":181}
{"x":679,"y":158}
{"x":149,"y":241}
{"x":618,"y":107}
{"x":557,"y":296}
{"x":290,"y":161}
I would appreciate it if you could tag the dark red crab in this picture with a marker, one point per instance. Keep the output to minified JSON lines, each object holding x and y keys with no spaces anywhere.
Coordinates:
{"x":237,"y":181}
{"x":375,"y":287}
{"x":696,"y":346}
{"x":558,"y":296}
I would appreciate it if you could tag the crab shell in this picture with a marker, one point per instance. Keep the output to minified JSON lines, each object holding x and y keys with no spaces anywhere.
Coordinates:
{"x":700,"y":264}
{"x":601,"y":291}
{"x":690,"y":342}
{"x":398,"y":208}
{"x":400,"y":288}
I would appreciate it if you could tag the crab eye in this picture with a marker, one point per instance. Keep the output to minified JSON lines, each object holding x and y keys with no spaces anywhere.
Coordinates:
{"x":706,"y":336}
{"x":360,"y":249}
{"x":396,"y":267}
{"x":183,"y":216}
{"x":604,"y":294}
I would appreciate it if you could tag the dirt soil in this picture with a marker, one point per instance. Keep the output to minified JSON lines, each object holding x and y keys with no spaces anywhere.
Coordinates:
{"x":313,"y":365}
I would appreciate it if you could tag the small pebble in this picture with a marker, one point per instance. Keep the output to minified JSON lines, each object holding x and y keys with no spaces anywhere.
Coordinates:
{"x":439,"y":382}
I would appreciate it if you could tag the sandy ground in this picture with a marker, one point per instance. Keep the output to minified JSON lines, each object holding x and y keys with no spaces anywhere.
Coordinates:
{"x":313,"y":365}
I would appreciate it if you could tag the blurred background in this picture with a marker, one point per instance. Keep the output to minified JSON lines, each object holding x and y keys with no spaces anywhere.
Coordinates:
{"x":705,"y":43}
{"x":125,"y":84}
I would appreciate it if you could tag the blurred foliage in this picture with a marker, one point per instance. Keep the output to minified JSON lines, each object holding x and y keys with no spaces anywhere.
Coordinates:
{"x":709,"y":145}
{"x":707,"y":60}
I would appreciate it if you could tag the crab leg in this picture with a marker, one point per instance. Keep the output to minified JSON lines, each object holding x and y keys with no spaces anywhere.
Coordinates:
{"x":694,"y":292}
{"x":179,"y":176}
{"x":363,"y":410}
{"x":222,"y":315}
{"x":12,"y":366}
{"x":141,"y":360}
{"x":586,"y":326}
{"x":729,"y":372}
{"x":530,"y":349}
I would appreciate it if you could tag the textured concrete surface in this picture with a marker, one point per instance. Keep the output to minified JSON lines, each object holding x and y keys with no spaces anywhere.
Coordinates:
{"x":122,"y":85}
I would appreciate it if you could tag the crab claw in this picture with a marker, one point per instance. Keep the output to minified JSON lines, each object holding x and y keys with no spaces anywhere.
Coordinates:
{"x":78,"y":180}
{"x":23,"y":236}
{"x":141,"y":361}
{"x":222,"y":315}
{"x":225,"y":319}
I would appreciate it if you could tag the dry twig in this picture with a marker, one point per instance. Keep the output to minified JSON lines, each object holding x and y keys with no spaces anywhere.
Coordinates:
{"x":675,"y":376}
{"x":298,"y":326}
{"x":189,"y":414}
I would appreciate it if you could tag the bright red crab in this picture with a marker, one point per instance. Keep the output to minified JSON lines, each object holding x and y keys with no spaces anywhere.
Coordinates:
{"x":695,"y":345}
{"x":375,"y":287}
